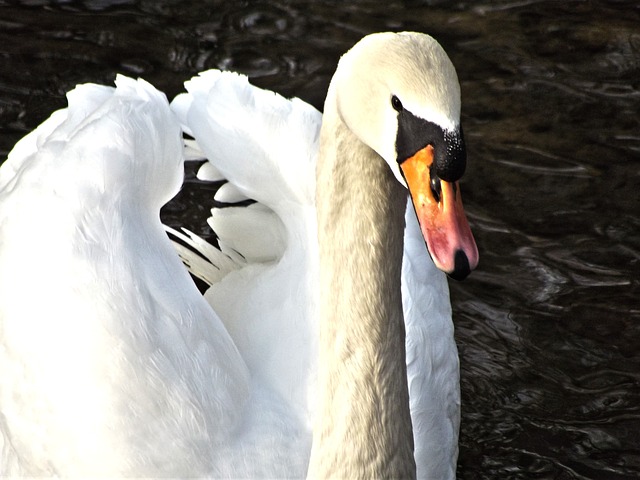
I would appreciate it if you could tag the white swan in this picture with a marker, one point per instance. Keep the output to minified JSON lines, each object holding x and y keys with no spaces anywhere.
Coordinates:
{"x":121,"y":368}
{"x":238,"y":125}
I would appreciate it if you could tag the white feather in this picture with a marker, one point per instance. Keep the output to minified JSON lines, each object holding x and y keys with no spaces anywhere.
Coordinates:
{"x":227,"y":193}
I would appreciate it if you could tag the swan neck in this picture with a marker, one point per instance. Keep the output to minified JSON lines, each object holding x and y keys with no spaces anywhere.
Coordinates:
{"x":364,"y":425}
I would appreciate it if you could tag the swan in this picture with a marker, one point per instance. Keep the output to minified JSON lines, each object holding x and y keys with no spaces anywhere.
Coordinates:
{"x":379,"y":131}
{"x":302,"y":366}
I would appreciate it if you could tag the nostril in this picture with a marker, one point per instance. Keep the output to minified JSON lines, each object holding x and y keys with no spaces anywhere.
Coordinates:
{"x":436,"y":186}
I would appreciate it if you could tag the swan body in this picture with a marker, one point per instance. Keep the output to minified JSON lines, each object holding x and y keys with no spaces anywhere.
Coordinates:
{"x":123,"y":369}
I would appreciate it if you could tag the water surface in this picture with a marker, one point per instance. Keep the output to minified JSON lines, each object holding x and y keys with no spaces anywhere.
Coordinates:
{"x":548,"y":327}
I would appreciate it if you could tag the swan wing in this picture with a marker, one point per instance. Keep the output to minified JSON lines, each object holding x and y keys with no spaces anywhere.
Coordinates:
{"x":278,"y":136}
{"x":265,"y":147}
{"x":113,"y":364}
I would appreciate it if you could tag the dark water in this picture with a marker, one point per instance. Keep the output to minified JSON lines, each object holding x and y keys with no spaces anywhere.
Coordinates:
{"x":549,"y":326}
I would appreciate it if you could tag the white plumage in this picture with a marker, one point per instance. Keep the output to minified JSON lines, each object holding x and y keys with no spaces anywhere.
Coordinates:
{"x":237,"y":125}
{"x":108,"y":353}
{"x":113,"y":364}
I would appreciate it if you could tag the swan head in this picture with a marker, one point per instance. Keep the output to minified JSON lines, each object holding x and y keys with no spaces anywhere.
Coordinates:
{"x":399,"y":94}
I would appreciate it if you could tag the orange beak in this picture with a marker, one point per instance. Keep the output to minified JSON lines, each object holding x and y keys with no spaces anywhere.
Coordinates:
{"x":444,"y":226}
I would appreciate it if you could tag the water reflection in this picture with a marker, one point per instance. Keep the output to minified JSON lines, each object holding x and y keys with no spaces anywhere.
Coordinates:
{"x":548,"y":327}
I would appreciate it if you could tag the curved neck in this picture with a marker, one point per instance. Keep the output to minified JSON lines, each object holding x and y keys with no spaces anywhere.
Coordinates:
{"x":364,"y":424}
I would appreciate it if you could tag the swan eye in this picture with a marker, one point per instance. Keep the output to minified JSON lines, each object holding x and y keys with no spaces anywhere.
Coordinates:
{"x":396,"y":104}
